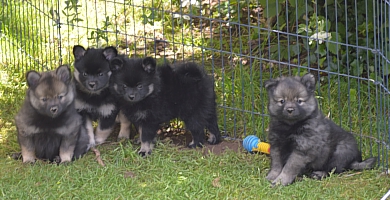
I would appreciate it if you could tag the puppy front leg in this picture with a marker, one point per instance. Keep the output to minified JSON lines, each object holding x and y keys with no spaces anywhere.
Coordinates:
{"x":146,"y":136}
{"x":125,"y":126}
{"x":91,"y":135}
{"x":295,"y":164}
{"x":104,"y":129}
{"x":28,"y":149}
{"x":276,"y":164}
{"x":67,"y":147}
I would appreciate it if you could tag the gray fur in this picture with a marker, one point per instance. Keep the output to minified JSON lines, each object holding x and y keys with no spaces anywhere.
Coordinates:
{"x":48,"y":124}
{"x":301,"y":138}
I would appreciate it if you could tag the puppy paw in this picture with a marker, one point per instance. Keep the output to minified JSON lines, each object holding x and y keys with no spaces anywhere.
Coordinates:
{"x":29,"y":160}
{"x":283,"y":179}
{"x":137,"y":141}
{"x":99,"y":141}
{"x":16,"y":156}
{"x":57,"y":159}
{"x":193,"y":145}
{"x":123,"y":134}
{"x":65,"y":163}
{"x":318,"y":175}
{"x":146,"y":149}
{"x":213,"y":140}
{"x":90,"y":146}
{"x":145,"y":153}
{"x":122,"y":139}
{"x":272,"y":175}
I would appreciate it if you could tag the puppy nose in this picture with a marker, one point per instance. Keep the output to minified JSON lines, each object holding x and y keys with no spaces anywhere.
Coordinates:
{"x":92,"y":84}
{"x":54,"y":109}
{"x":290,"y":110}
{"x":131,"y":96}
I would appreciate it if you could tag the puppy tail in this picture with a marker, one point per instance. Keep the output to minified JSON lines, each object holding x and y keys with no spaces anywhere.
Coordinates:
{"x":190,"y":73}
{"x":366,"y":164}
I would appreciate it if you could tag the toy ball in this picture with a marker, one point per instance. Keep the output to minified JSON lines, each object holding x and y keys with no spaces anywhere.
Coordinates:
{"x":253,"y":144}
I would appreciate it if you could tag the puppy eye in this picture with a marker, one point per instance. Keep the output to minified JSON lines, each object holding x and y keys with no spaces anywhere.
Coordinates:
{"x":100,"y":74}
{"x":282,"y":101}
{"x":299,"y":101}
{"x":139,"y":86}
{"x":44,"y":99}
{"x":60,"y":96}
{"x":124,"y":86}
{"x":85,"y":74}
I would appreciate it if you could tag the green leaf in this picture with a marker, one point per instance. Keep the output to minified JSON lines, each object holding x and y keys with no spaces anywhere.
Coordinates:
{"x":333,"y":66}
{"x":270,"y":7}
{"x":386,"y":69}
{"x":334,"y":47}
{"x":302,"y":28}
{"x":321,"y":61}
{"x":283,"y":53}
{"x":302,"y":9}
{"x":295,"y":49}
{"x":352,"y":94}
{"x":357,"y":67}
{"x":321,"y":50}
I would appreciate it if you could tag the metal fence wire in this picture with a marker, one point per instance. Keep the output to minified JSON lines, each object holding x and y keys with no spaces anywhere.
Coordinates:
{"x":345,"y":43}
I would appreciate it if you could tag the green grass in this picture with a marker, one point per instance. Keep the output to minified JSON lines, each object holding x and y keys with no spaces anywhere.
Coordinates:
{"x":171,"y":173}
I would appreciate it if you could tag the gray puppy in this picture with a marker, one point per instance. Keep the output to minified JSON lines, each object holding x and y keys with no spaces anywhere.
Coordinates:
{"x":49,"y":127}
{"x":301,"y":138}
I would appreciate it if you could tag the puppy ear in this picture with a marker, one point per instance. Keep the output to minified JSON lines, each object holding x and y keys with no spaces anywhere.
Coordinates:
{"x":309,"y":81}
{"x":78,"y":52}
{"x":116,"y":64}
{"x":63,"y":73}
{"x":110,"y":53}
{"x":149,"y":64}
{"x":32,"y":78}
{"x":270,"y":84}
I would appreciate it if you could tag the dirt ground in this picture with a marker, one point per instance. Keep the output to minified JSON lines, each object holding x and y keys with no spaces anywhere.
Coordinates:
{"x":181,"y":138}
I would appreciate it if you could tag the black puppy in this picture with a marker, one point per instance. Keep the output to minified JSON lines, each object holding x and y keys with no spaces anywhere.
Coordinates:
{"x":151,"y":95}
{"x":94,"y":100}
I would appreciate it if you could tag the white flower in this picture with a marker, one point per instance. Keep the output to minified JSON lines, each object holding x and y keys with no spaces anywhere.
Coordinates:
{"x":320,"y":37}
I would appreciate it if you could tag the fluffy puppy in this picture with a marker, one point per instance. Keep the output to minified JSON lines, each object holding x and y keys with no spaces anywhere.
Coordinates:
{"x":94,"y":100}
{"x":301,"y":138}
{"x":151,"y":95}
{"x":48,"y":124}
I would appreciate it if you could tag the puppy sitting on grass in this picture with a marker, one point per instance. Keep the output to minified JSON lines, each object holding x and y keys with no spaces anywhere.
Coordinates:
{"x":301,"y":138}
{"x":49,"y":127}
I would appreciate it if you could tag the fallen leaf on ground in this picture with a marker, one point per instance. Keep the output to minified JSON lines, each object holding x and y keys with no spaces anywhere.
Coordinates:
{"x":216,"y":182}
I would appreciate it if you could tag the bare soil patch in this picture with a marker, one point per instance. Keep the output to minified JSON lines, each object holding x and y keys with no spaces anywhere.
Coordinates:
{"x":181,"y":138}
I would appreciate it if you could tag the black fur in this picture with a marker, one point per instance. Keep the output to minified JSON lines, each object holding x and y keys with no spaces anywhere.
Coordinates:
{"x":48,"y":124}
{"x":301,"y":138}
{"x":94,"y":100}
{"x":151,"y":95}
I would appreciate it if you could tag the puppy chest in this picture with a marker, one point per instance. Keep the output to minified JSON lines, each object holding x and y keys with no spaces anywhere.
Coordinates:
{"x":102,"y":109}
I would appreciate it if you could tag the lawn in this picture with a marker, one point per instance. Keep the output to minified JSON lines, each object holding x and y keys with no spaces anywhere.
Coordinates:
{"x":174,"y":172}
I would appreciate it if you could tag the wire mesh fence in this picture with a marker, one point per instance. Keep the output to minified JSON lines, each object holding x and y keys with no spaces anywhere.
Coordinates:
{"x":345,"y":43}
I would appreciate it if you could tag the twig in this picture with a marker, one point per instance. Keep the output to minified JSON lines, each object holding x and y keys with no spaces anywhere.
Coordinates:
{"x":386,"y":195}
{"x":98,"y":158}
{"x":348,"y":175}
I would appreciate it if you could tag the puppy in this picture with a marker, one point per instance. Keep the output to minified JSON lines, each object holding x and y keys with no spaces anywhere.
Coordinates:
{"x":94,"y":100}
{"x":301,"y":138}
{"x":48,"y":124}
{"x":151,"y":95}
